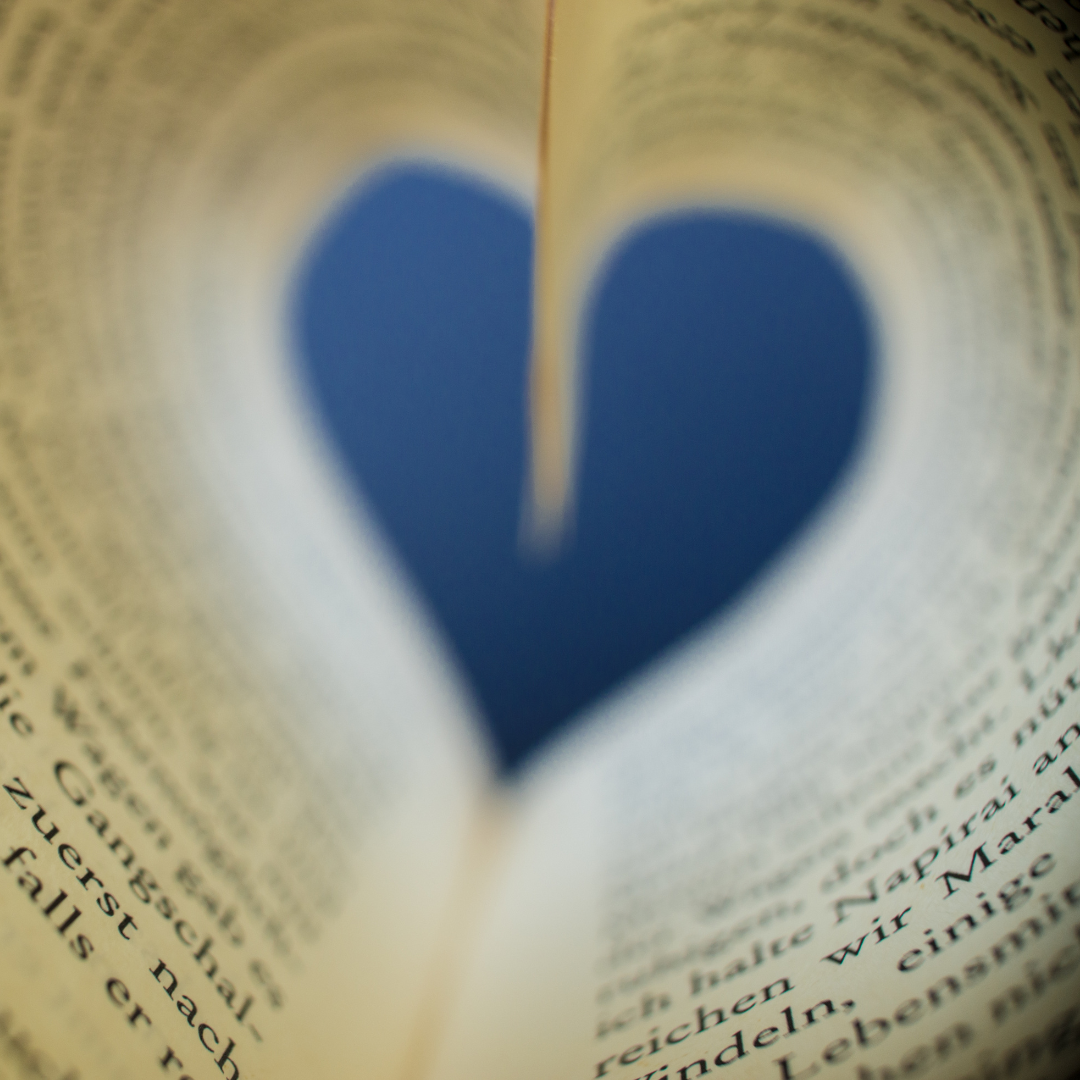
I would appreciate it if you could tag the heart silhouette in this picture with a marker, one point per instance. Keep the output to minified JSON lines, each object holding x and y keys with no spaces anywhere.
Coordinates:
{"x":728,"y":373}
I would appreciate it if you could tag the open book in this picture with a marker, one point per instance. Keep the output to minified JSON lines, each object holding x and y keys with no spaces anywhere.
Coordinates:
{"x":248,"y":826}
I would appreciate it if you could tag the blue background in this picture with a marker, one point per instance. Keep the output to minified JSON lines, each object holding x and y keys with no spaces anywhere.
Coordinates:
{"x":728,"y":376}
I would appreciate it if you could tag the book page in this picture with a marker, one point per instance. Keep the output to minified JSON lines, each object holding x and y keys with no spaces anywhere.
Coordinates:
{"x":239,"y":780}
{"x":836,"y":834}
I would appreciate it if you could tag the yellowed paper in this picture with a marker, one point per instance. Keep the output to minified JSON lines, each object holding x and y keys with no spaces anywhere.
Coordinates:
{"x":238,"y":780}
{"x":240,"y":783}
{"x":836,"y":834}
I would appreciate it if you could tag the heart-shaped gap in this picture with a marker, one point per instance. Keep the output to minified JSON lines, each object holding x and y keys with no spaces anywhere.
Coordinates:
{"x":728,"y":374}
